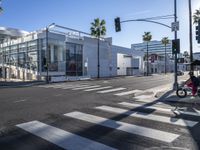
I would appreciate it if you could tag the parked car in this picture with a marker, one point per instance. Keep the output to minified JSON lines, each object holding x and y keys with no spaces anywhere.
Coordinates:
{"x":180,"y":73}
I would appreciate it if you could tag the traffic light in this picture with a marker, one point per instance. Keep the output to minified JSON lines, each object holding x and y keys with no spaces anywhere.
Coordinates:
{"x":198,"y":32}
{"x":176,"y":46}
{"x":117,"y":24}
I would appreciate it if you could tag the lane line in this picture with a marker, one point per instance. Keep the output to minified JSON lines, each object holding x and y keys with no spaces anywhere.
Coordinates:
{"x":62,"y":138}
{"x":87,"y":87}
{"x":111,"y":90}
{"x":127,"y":93}
{"x":101,"y":88}
{"x":169,"y":120}
{"x":159,"y":109}
{"x":126,"y":127}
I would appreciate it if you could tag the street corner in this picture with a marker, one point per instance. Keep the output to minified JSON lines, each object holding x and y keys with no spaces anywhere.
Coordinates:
{"x":188,"y":99}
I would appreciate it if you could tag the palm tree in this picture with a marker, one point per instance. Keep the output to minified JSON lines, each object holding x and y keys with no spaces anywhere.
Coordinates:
{"x":186,"y":56}
{"x":165,"y":41}
{"x":98,"y":29}
{"x":196,"y":16}
{"x":1,"y":9}
{"x":146,"y":38}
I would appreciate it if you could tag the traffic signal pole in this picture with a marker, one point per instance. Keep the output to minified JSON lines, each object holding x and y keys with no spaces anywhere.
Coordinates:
{"x":175,"y":86}
{"x":118,"y":28}
{"x":190,"y":38}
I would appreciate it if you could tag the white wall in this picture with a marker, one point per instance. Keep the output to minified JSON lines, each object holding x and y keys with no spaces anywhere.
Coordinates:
{"x":109,"y":58}
{"x":90,"y":56}
{"x":123,"y":63}
{"x":136,"y":55}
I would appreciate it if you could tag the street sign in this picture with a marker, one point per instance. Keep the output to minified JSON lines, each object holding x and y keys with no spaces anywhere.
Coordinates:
{"x":175,"y":26}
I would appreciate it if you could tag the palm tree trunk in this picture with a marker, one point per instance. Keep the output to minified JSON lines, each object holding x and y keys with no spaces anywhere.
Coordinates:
{"x":98,"y":64}
{"x":147,"y":60}
{"x":165,"y":61}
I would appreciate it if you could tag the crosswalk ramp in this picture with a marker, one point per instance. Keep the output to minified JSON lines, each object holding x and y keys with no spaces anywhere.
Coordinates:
{"x":98,"y":130}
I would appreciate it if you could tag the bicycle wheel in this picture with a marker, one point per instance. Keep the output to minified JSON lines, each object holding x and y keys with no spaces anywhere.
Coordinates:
{"x":181,"y":93}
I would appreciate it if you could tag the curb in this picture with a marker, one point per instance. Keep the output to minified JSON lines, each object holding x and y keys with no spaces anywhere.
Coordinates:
{"x":20,"y":85}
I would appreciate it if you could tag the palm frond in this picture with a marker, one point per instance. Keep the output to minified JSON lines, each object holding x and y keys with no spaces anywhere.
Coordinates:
{"x":98,"y":28}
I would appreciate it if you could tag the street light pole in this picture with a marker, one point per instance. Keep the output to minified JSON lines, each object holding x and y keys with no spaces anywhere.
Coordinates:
{"x":98,"y":63}
{"x":147,"y":60}
{"x":47,"y":55}
{"x":47,"y":49}
{"x":175,"y":86}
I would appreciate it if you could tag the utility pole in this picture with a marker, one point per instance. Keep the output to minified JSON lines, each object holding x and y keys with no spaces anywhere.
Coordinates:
{"x":175,"y":86}
{"x":190,"y":32}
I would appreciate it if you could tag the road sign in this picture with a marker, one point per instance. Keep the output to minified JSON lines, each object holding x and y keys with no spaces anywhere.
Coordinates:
{"x":175,"y":26}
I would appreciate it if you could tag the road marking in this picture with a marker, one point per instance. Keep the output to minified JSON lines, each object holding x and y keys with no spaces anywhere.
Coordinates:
{"x":87,"y":87}
{"x":101,"y":88}
{"x":143,"y":97}
{"x":130,"y":128}
{"x":23,"y":100}
{"x":53,"y":85}
{"x":127,"y":93}
{"x":169,"y":120}
{"x":61,"y":138}
{"x":142,"y":106}
{"x":73,"y":86}
{"x":111,"y":90}
{"x":159,"y":109}
{"x":149,"y":100}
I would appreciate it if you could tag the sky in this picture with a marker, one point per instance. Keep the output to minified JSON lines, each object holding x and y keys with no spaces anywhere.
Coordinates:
{"x":31,"y":15}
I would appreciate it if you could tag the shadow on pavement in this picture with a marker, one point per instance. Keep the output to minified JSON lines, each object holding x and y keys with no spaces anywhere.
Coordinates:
{"x":185,"y":104}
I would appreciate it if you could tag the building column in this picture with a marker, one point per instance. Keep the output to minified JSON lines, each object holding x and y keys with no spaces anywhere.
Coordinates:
{"x":52,"y":53}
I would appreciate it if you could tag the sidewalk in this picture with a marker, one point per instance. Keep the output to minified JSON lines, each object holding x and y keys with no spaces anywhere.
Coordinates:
{"x":18,"y":83}
{"x":172,"y":97}
{"x":165,"y":94}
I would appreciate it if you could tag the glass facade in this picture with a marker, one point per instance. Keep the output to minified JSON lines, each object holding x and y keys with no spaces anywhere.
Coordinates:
{"x":154,"y":47}
{"x":32,"y":55}
{"x":74,"y":59}
{"x":23,"y":55}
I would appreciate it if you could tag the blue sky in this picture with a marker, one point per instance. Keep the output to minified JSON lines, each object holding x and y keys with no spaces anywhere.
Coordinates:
{"x":31,"y":15}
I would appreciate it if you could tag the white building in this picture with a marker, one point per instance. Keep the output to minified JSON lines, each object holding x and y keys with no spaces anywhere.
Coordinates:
{"x":157,"y":53}
{"x":68,"y":54}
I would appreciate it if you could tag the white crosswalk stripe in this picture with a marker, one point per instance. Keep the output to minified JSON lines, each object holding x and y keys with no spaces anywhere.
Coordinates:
{"x":111,"y":90}
{"x":62,"y":138}
{"x":127,"y":92}
{"x":86,"y":87}
{"x":72,"y":141}
{"x":96,"y":89}
{"x":72,"y":86}
{"x":159,"y":108}
{"x":169,"y":120}
{"x":141,"y":97}
{"x":126,"y":127}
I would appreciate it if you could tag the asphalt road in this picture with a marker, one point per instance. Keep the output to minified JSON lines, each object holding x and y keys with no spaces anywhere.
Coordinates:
{"x":48,"y":106}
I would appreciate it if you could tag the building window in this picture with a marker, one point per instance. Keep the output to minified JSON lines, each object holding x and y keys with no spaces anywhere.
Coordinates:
{"x":74,"y":59}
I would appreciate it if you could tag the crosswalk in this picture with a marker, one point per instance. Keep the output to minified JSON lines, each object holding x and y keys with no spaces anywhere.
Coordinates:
{"x":121,"y":118}
{"x":88,"y":87}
